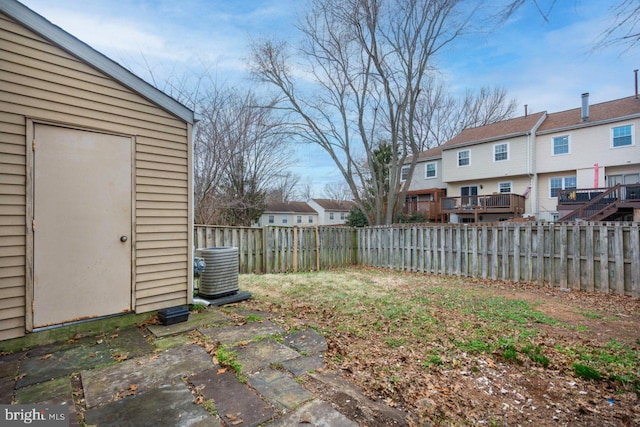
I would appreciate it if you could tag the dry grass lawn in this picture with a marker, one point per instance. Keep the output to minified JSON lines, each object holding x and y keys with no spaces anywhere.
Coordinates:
{"x":452,"y":350}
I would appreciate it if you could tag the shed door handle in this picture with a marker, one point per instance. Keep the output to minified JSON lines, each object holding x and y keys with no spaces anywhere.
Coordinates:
{"x":123,"y":238}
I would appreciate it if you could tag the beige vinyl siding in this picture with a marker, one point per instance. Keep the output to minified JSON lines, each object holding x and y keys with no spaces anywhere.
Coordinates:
{"x":12,"y":225}
{"x":482,"y":164}
{"x":587,"y":146}
{"x":42,"y":82}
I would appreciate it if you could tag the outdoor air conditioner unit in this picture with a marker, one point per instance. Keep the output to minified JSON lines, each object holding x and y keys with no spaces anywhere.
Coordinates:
{"x":220,"y":276}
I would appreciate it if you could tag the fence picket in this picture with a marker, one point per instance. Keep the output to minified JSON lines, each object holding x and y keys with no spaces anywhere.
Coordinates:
{"x":604,"y":257}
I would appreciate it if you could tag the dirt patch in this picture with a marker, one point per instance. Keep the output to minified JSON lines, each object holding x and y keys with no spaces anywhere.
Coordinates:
{"x":457,"y":351}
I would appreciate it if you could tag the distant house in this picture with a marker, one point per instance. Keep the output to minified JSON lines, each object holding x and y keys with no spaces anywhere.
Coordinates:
{"x":582,"y":163}
{"x":489,"y":169}
{"x":582,"y":153}
{"x":331,"y":212}
{"x":95,"y":183}
{"x":288,"y":214}
{"x":427,"y":188}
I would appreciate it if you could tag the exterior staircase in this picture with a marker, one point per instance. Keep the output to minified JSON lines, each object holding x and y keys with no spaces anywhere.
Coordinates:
{"x":609,"y":204}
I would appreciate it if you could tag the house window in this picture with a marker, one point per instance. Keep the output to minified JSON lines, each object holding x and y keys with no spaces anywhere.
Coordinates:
{"x":330,"y":215}
{"x":342,"y":216}
{"x":271,"y":219}
{"x":430,"y":170}
{"x":504,"y":187}
{"x":299,"y":219}
{"x":469,"y":195}
{"x":404,"y":173}
{"x":284,"y":219}
{"x":310,"y":219}
{"x":622,"y":136}
{"x":561,"y":183}
{"x":560,"y":145}
{"x":464,"y":158}
{"x":500,"y":152}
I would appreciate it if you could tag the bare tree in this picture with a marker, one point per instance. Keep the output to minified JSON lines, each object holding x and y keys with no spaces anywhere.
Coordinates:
{"x":259,"y":157}
{"x":365,"y":65}
{"x":238,"y":150}
{"x":337,"y":190}
{"x":624,"y":30}
{"x":213,"y":146}
{"x":441,"y":115}
{"x":283,"y":187}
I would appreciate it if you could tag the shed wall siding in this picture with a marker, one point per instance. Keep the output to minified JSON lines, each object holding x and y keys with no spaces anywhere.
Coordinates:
{"x":42,"y":82}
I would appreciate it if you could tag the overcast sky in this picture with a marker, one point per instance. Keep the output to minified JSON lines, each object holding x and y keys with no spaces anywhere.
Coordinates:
{"x":545,"y":64}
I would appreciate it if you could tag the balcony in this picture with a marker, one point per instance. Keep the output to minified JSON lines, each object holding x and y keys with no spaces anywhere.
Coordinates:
{"x":487,"y":204}
{"x":425,"y":203}
{"x":599,"y":204}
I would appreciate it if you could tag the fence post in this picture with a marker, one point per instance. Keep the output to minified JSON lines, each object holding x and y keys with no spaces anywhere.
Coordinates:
{"x":634,"y":241}
{"x":295,"y":249}
{"x":604,"y":258}
{"x":618,"y":243}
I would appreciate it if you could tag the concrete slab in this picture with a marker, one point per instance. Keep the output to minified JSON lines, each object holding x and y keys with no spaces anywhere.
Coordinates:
{"x":308,"y":342}
{"x":62,"y":363}
{"x":9,"y":369}
{"x":315,"y":413}
{"x":57,"y":346}
{"x":196,"y":320}
{"x":107,"y":384}
{"x":58,"y":391}
{"x":237,"y":333}
{"x":236,"y":403}
{"x":303,"y":365}
{"x":348,"y":398}
{"x":265,"y":315}
{"x":129,"y":342}
{"x":279,"y":389}
{"x":257,"y":355}
{"x":170,"y":341}
{"x":166,"y":405}
{"x":7,"y":386}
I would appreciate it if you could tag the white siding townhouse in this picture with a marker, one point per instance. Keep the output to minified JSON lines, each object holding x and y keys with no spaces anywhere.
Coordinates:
{"x":582,"y":163}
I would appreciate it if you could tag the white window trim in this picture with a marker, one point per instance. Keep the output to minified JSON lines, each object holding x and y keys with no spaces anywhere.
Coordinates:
{"x":553,"y":154}
{"x":563,"y":187}
{"x":494,"y":152}
{"x":435,"y":164}
{"x":458,"y":158}
{"x":633,"y":136}
{"x":401,"y":173}
{"x":506,"y":182}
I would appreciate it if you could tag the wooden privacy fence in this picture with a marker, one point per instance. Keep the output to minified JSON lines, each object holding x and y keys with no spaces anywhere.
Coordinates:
{"x":603,"y":257}
{"x":590,"y":256}
{"x":283,"y":249}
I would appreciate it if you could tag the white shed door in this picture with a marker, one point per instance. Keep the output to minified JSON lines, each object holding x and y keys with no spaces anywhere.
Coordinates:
{"x":82,"y":234}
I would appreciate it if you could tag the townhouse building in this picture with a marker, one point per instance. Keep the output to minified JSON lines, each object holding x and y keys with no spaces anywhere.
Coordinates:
{"x":583,"y":152}
{"x":331,"y":212}
{"x":582,"y":163}
{"x":288,"y":214}
{"x":426,"y":188}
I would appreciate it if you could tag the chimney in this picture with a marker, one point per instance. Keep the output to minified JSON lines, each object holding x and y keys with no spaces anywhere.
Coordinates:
{"x":585,"y":106}
{"x":526,"y":110}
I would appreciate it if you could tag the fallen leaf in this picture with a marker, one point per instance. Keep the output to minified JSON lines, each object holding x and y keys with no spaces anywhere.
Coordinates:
{"x":93,"y":354}
{"x":119,"y":357}
{"x":199,"y":400}
{"x":46,"y":356}
{"x":222,"y":371}
{"x":112,"y":336}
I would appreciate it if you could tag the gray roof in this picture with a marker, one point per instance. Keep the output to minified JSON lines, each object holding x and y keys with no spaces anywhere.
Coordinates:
{"x":39,"y":25}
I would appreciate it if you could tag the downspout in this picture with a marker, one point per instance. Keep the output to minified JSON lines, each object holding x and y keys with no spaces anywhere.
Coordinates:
{"x":532,"y":168}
